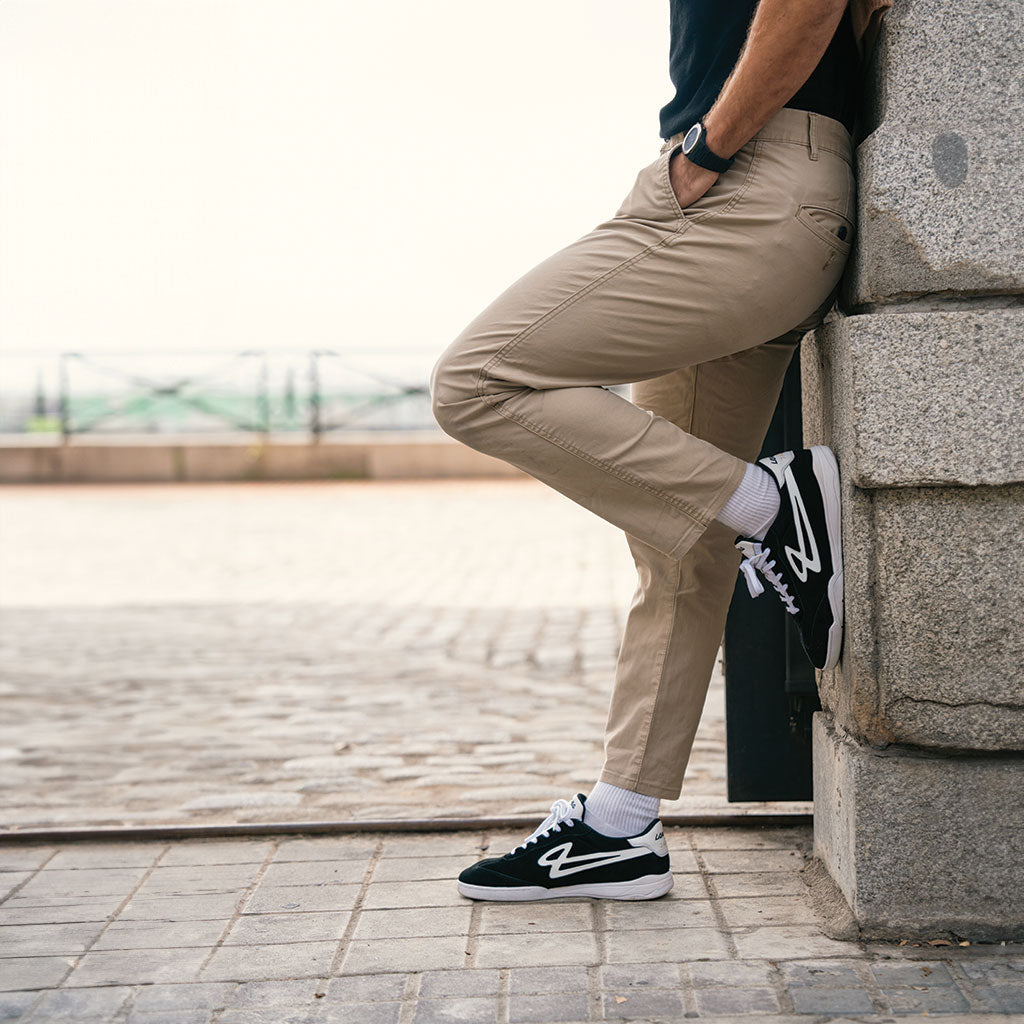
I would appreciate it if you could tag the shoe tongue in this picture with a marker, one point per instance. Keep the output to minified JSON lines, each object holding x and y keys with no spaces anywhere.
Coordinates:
{"x":777,"y":465}
{"x":576,"y":807}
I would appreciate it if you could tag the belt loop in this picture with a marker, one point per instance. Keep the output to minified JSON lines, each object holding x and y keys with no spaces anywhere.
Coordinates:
{"x":812,"y":135}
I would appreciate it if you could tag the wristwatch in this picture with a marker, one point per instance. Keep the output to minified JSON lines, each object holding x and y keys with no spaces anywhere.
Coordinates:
{"x":696,"y":149}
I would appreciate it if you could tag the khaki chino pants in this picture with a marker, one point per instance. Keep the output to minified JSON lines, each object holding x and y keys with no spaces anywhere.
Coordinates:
{"x":700,"y":310}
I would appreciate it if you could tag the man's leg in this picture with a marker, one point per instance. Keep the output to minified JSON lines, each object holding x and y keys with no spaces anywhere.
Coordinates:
{"x":651,"y":291}
{"x":654,"y":292}
{"x":677,"y":616}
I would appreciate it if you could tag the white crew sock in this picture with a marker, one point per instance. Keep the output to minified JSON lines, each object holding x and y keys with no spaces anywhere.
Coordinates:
{"x":619,"y":812}
{"x":753,"y":505}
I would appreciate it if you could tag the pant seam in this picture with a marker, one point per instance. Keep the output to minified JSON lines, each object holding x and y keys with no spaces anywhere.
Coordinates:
{"x":662,"y":659}
{"x":634,"y":780}
{"x":565,"y":304}
{"x":693,"y":400}
{"x":698,"y":517}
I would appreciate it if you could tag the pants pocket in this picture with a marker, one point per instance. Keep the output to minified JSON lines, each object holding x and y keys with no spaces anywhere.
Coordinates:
{"x":829,"y":226}
{"x":723,"y":194}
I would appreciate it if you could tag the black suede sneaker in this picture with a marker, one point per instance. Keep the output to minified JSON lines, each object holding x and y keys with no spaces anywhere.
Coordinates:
{"x":802,"y":554}
{"x":566,"y":857}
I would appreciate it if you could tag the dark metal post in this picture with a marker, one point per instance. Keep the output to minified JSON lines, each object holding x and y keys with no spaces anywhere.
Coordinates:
{"x":263,"y":400}
{"x":64,"y":397}
{"x":770,"y":688}
{"x":289,"y":395}
{"x":39,"y":406}
{"x":315,"y":424}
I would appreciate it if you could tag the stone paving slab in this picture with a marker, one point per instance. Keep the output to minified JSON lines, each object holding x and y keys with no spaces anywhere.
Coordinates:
{"x":379,"y":948}
{"x":311,"y":651}
{"x":347,"y":650}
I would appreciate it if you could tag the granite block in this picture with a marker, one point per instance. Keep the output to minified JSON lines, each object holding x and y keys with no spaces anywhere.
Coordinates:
{"x":940,"y":175}
{"x":918,"y":843}
{"x":934,"y":638}
{"x":919,"y":398}
{"x":923,"y":413}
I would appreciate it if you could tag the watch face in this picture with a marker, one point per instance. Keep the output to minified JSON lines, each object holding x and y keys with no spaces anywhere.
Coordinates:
{"x":691,"y":138}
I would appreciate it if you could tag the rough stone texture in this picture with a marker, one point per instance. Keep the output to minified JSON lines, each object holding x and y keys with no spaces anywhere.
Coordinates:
{"x":919,"y":399}
{"x":933,"y":642}
{"x":920,"y":843}
{"x":934,"y":637}
{"x":948,"y":616}
{"x":941,"y":176}
{"x":922,"y":406}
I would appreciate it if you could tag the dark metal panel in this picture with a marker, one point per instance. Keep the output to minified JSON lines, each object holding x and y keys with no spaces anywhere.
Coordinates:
{"x":770,"y":689}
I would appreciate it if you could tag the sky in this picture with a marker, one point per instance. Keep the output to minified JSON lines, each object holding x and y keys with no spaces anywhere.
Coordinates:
{"x":216,"y":175}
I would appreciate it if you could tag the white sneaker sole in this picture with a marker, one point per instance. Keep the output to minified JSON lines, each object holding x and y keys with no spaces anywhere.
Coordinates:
{"x":826,"y":472}
{"x":647,"y":888}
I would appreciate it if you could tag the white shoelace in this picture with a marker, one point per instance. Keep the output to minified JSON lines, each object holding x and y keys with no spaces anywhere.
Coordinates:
{"x":758,"y":561}
{"x":561,"y":811}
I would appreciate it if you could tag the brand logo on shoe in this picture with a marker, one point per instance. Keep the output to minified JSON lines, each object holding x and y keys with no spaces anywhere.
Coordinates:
{"x":561,"y":864}
{"x":777,"y":466}
{"x":801,"y":559}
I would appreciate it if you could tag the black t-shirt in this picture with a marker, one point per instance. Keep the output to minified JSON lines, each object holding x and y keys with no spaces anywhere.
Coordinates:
{"x":706,"y":39}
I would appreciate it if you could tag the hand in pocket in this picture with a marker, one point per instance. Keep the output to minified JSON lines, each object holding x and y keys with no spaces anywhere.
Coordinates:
{"x":689,"y":182}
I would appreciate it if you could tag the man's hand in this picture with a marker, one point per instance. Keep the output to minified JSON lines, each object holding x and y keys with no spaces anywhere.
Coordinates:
{"x":784,"y":44}
{"x":689,"y":182}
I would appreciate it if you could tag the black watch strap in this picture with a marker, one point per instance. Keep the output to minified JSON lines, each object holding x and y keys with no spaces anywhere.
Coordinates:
{"x":696,"y":149}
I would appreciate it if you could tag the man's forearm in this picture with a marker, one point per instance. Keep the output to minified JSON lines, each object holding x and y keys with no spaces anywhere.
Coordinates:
{"x":784,"y":44}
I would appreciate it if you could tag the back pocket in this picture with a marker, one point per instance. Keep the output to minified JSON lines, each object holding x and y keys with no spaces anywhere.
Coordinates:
{"x":831,"y":227}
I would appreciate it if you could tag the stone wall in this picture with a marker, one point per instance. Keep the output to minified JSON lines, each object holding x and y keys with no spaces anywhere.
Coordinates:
{"x":919,"y":389}
{"x":940,"y":174}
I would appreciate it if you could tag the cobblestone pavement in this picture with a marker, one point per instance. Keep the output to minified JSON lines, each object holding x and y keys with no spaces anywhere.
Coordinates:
{"x":310,"y":651}
{"x":371,"y":930}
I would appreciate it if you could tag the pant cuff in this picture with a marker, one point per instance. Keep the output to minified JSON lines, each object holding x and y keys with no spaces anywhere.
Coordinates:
{"x":646,"y":787}
{"x":695,"y":530}
{"x":728,"y":489}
